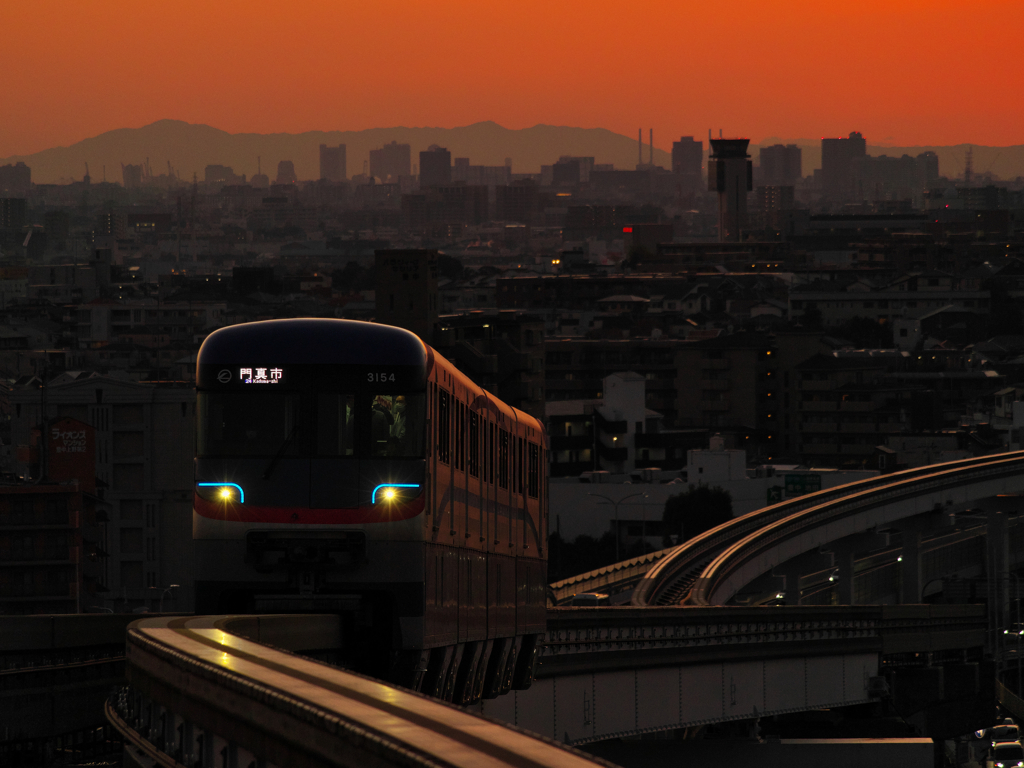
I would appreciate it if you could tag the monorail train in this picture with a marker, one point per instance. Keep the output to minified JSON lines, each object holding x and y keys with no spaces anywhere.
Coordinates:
{"x":347,"y":467}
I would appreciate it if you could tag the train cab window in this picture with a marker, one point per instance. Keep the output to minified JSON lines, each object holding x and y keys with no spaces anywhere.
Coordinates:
{"x":473,"y":458}
{"x":251,"y":424}
{"x":335,"y":424}
{"x":396,"y":425}
{"x":503,"y":458}
{"x":444,"y":427}
{"x":533,"y":471}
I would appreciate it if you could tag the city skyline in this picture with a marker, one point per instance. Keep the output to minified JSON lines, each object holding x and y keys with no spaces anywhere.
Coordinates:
{"x":189,"y":148}
{"x":883,"y":70}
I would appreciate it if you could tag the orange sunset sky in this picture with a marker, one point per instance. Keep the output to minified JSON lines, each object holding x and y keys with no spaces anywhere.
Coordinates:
{"x":903,"y":72}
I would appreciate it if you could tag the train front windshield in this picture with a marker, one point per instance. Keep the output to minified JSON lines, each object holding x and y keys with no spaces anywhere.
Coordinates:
{"x":331,"y":424}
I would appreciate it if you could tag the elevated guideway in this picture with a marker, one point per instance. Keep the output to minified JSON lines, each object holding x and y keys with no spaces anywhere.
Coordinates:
{"x":712,"y":568}
{"x":615,"y":672}
{"x":211,"y":691}
{"x":681,"y":565}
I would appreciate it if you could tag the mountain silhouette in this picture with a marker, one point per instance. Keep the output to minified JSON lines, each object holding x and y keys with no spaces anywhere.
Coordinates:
{"x":190,"y":148}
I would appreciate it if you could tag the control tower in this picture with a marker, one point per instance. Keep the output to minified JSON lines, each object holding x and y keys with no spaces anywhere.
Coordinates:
{"x":731,"y":175}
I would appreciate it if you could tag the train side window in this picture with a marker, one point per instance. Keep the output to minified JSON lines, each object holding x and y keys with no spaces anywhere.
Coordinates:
{"x":460,"y":434}
{"x":487,"y":475}
{"x":444,"y":426}
{"x":533,"y":471}
{"x":485,"y":451}
{"x":520,"y":465}
{"x":335,"y":424}
{"x":503,"y":458}
{"x":473,"y":460}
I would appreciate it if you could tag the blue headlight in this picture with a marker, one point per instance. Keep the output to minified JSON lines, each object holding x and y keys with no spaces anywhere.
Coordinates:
{"x":222,"y":492}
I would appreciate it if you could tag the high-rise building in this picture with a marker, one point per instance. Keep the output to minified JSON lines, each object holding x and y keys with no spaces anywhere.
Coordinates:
{"x":406,"y":293}
{"x":781,"y":165}
{"x":566,"y":172}
{"x":13,"y":212}
{"x":15,"y":179}
{"x":837,"y":157}
{"x":772,"y":201}
{"x":586,"y":165}
{"x":131,"y":175}
{"x":113,"y":224}
{"x":730,"y":174}
{"x":391,"y":161}
{"x":687,"y":156}
{"x":435,"y":166}
{"x":332,"y":163}
{"x":928,"y":164}
{"x":286,"y":172}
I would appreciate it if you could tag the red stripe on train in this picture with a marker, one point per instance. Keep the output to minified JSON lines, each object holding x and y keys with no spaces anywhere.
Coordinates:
{"x":251,"y":513}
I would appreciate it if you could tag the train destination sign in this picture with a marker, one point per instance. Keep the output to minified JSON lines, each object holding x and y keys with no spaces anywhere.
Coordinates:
{"x":260,"y":375}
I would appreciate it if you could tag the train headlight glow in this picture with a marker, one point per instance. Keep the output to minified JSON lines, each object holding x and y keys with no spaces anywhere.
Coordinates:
{"x":224,"y":492}
{"x":390,"y":492}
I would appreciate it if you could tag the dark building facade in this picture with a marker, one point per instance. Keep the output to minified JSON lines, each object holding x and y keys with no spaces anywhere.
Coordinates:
{"x":781,"y":164}
{"x":15,"y":179}
{"x":13,"y":212}
{"x":406,"y":294}
{"x":435,"y":166}
{"x":286,"y":172}
{"x":688,"y":157}
{"x":516,"y":202}
{"x":837,"y":159}
{"x":333,"y":163}
{"x":391,"y":161}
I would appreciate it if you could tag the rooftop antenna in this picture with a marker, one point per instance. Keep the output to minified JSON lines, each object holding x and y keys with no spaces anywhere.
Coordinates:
{"x":640,"y":147}
{"x":652,"y":146}
{"x":719,"y":133}
{"x":969,"y":166}
{"x":88,"y":178}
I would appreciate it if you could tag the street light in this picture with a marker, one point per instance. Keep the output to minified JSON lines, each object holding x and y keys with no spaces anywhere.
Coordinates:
{"x":616,"y":513}
{"x":164,"y":592}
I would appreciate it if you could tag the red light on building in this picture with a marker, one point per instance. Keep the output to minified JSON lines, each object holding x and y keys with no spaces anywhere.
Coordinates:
{"x":627,"y":229}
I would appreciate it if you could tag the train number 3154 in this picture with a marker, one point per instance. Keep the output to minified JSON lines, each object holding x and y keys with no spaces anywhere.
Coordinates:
{"x":378,"y":377}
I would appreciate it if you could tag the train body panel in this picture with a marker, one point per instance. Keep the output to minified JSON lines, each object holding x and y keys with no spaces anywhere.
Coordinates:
{"x":348,"y":461}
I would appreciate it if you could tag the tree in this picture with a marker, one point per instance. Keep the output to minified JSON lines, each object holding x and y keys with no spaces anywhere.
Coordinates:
{"x":637,"y":256}
{"x":699,"y":509}
{"x":449,"y":266}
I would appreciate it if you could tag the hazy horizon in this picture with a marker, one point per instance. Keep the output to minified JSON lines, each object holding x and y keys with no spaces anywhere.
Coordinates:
{"x":906,"y":72}
{"x":191,"y":146}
